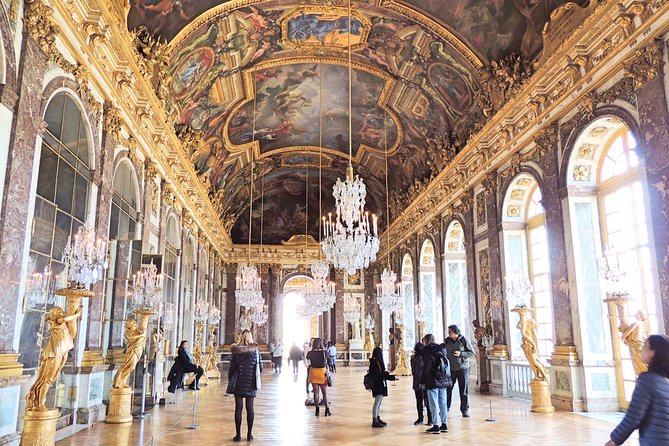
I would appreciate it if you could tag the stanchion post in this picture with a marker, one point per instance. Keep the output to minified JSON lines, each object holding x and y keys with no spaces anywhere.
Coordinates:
{"x":491,"y":419}
{"x":195,"y":403}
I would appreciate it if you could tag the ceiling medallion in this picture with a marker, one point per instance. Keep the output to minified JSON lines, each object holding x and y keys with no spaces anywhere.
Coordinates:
{"x":350,"y":243}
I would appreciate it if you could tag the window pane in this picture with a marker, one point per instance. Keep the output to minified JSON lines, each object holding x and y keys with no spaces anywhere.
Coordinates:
{"x":113,"y":222}
{"x":63,"y":230}
{"x":46,"y":179}
{"x":80,"y":197}
{"x":82,"y":149}
{"x":54,"y":114}
{"x":43,"y":221}
{"x":70,"y":135}
{"x":65,"y":187}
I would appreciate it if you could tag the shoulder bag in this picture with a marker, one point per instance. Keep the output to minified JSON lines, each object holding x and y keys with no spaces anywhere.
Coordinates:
{"x":328,"y":374}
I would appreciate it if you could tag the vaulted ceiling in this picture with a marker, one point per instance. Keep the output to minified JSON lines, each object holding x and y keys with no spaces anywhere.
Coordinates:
{"x":281,"y":68}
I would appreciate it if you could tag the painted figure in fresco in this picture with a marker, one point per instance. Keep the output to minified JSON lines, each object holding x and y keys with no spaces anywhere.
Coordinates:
{"x":326,"y":29}
{"x":135,"y":338}
{"x":53,"y":357}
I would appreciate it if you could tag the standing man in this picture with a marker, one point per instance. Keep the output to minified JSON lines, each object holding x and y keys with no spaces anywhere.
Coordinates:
{"x":277,"y":356}
{"x":459,"y":351}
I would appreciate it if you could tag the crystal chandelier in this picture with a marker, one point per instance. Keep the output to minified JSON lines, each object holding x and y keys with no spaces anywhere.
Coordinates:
{"x":420,"y":313}
{"x":38,"y":291}
{"x":259,"y":315}
{"x":612,"y":270}
{"x":387,"y":292}
{"x":213,"y":315}
{"x":518,"y":290}
{"x":201,"y":310}
{"x":146,"y":285}
{"x":351,"y":310}
{"x":320,"y":292}
{"x":350,"y":243}
{"x":369,"y":322}
{"x":85,"y":259}
{"x":247,"y":291}
{"x":399,"y":316}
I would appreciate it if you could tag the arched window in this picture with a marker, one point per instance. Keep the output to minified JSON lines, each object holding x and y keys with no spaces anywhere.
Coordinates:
{"x":526,"y":256}
{"x":125,"y":208}
{"x":408,"y":293}
{"x":427,"y":294}
{"x":608,"y":207}
{"x":61,"y":202}
{"x":170,"y":274}
{"x":455,"y":277}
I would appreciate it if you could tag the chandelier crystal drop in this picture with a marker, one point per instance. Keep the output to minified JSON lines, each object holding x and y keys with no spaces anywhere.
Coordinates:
{"x":248,"y":292}
{"x":319,"y":293}
{"x":146,"y":284}
{"x":387,"y":292}
{"x":85,"y":258}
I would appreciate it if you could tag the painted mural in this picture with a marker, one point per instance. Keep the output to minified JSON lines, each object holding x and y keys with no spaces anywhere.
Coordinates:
{"x":285,"y":209}
{"x":288,"y":109}
{"x":494,"y":27}
{"x":319,"y":28}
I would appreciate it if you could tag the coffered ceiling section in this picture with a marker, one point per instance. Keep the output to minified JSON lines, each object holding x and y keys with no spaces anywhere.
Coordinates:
{"x":281,"y":68}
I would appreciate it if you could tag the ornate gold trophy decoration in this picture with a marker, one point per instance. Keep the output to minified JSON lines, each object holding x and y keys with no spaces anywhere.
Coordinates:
{"x":402,"y":368}
{"x":213,"y":372}
{"x":85,"y":259}
{"x":632,"y":335}
{"x":146,"y":299}
{"x":519,"y":287}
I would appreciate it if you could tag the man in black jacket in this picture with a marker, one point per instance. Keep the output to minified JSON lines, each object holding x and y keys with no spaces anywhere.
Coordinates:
{"x":459,"y":351}
{"x":183,"y":364}
{"x":436,"y":378}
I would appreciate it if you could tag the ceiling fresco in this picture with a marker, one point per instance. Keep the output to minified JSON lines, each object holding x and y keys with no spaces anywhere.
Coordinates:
{"x":288,"y":109}
{"x":418,"y":64}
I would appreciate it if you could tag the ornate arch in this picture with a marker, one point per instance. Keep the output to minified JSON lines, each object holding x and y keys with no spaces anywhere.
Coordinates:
{"x":516,"y":193}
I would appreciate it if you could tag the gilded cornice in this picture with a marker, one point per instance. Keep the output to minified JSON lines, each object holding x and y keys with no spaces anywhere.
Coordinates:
{"x":282,"y":255}
{"x":514,"y":134}
{"x":112,"y":66}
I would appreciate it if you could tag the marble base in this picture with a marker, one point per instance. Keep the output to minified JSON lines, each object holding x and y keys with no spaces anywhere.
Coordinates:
{"x":498,"y":378}
{"x":356,"y":344}
{"x":39,"y":428}
{"x":9,"y":365}
{"x":567,"y":378}
{"x":120,"y":405}
{"x":10,"y":399}
{"x":541,"y":396}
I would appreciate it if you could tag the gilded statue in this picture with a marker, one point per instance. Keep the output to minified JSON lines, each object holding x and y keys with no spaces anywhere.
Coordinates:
{"x":63,"y":331}
{"x":245,"y":322}
{"x":369,"y":344}
{"x":633,"y":336}
{"x":135,"y":338}
{"x":528,"y":331}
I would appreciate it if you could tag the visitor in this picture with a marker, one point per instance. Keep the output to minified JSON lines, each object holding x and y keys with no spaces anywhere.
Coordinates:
{"x":436,"y":378}
{"x":318,"y":374}
{"x":183,"y":364}
{"x":272,"y":346}
{"x":305,"y":352}
{"x":332,"y":356}
{"x":418,"y":388}
{"x":277,"y":356}
{"x":459,"y":351}
{"x":649,"y":409}
{"x":245,"y":367}
{"x":380,"y":376}
{"x":295,"y":356}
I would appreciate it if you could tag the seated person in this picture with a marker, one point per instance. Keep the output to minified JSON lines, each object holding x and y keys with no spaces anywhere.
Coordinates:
{"x":183,"y":364}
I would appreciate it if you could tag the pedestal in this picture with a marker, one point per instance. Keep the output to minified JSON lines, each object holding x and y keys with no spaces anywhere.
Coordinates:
{"x":120,"y":403}
{"x":214,"y":374}
{"x":541,"y":396}
{"x":355,"y":344}
{"x":483,"y":373}
{"x":39,"y":427}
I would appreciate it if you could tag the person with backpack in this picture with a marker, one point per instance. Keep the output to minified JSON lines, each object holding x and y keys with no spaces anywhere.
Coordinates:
{"x":436,"y":378}
{"x":419,"y":391}
{"x":376,"y":378}
{"x":459,"y":351}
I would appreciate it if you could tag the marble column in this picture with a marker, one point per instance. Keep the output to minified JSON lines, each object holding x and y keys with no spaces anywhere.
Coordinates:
{"x":14,"y":214}
{"x":495,"y":270}
{"x":654,"y":121}
{"x":340,"y":324}
{"x":230,"y":304}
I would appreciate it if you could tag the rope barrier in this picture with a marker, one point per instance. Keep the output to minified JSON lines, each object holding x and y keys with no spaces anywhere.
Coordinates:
{"x":153,"y":437}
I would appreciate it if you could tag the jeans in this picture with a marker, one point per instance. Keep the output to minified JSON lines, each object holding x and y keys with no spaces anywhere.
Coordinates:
{"x":421,"y":400}
{"x":461,"y":377}
{"x":437,"y":400}
{"x":376,"y":408}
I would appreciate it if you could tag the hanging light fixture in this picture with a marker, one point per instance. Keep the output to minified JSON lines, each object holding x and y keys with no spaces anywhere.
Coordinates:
{"x":248,"y":291}
{"x":387,"y":292}
{"x":320,"y":291}
{"x":259,"y":315}
{"x":350,"y":243}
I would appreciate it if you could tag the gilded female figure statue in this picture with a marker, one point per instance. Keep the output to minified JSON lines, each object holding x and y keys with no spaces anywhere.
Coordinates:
{"x":135,"y":338}
{"x":633,"y":335}
{"x":530,"y":345}
{"x":53,"y":357}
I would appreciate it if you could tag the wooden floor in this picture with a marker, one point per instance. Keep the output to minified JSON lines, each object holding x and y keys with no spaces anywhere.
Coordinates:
{"x":283,"y":419}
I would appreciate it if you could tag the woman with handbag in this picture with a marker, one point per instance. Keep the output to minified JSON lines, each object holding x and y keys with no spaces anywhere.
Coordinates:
{"x":244,"y":380}
{"x":379,"y":375}
{"x":318,"y":374}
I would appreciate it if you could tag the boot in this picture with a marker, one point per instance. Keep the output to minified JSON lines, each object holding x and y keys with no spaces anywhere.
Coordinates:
{"x":327,"y":412}
{"x":375,"y":423}
{"x":381,"y":422}
{"x":318,"y":411}
{"x":418,"y":421}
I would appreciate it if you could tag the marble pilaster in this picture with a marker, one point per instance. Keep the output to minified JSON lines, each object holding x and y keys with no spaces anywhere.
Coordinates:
{"x":230,"y":314}
{"x":340,"y":324}
{"x":14,"y":215}
{"x":495,"y":271}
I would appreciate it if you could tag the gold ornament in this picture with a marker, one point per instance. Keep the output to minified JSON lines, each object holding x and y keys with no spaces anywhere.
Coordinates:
{"x":633,"y":335}
{"x":402,"y":368}
{"x":135,"y":337}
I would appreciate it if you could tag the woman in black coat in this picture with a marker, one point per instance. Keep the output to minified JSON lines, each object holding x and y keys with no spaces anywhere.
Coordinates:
{"x":379,"y":375}
{"x":242,"y":380}
{"x":417,"y":364}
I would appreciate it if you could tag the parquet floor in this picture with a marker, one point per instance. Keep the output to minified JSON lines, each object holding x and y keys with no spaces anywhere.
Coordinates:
{"x":283,"y":419}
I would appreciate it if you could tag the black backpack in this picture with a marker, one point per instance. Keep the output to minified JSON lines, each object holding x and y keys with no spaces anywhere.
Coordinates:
{"x":441,"y":369}
{"x":367,"y":381}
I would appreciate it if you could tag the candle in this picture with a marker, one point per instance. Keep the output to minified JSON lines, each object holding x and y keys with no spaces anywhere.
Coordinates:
{"x":375,"y":220}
